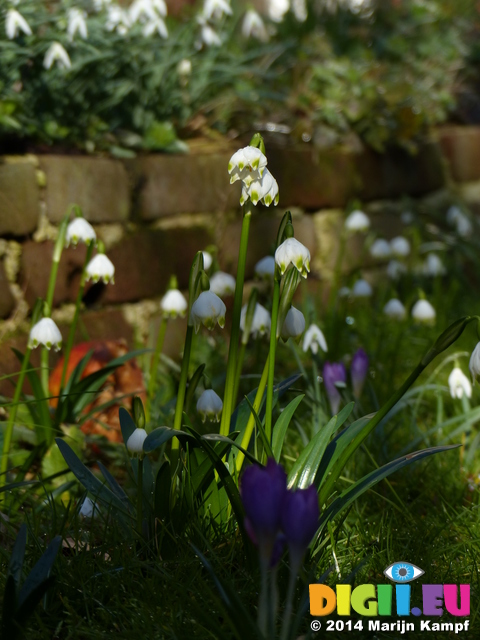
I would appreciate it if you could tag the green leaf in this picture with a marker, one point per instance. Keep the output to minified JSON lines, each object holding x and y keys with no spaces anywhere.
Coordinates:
{"x":32,"y":599}
{"x":127,"y":425}
{"x":160,"y":436}
{"x":40,"y":571}
{"x":305,"y":468}
{"x":163,"y":487}
{"x":18,"y":554}
{"x":261,"y":430}
{"x":281,"y":426}
{"x":115,"y":487}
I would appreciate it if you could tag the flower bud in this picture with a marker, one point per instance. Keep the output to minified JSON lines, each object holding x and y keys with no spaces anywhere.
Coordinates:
{"x":138,"y":413}
{"x":136,"y":440}
{"x":358,"y":371}
{"x":300,"y":516}
{"x":334,"y":373}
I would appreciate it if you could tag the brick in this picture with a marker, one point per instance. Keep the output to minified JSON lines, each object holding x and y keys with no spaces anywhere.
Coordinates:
{"x":461,"y":147}
{"x":18,"y":199}
{"x":7,"y":301}
{"x":196,"y":183}
{"x":100,"y":186}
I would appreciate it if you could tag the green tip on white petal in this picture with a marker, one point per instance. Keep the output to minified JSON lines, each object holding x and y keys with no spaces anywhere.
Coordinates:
{"x":255,"y":163}
{"x":221,"y":322}
{"x":241,"y":165}
{"x":230,"y":167}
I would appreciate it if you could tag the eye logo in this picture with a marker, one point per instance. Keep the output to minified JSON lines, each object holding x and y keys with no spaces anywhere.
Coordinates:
{"x":403,"y":572}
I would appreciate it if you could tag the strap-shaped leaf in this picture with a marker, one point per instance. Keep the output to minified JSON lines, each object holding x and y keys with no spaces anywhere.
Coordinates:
{"x":305,"y":468}
{"x":41,"y":570}
{"x":9,"y":628}
{"x":127,"y":425}
{"x":114,"y":486}
{"x":18,"y":554}
{"x":161,"y":435}
{"x":281,"y":426}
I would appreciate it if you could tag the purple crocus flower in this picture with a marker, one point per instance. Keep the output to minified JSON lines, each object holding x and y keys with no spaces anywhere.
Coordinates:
{"x":300,"y":520}
{"x":334,"y":372}
{"x":358,"y":371}
{"x":263,"y":491}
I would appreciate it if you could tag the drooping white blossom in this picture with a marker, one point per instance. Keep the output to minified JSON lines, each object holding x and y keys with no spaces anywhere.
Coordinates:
{"x":118,"y":20}
{"x":222,"y":283}
{"x":294,"y":324}
{"x":80,"y":230}
{"x":45,"y":332}
{"x":254,"y":27}
{"x":77,"y":23}
{"x":394,"y":309}
{"x":136,"y":440}
{"x":247,"y":165}
{"x":362,"y":289}
{"x":400,"y":247}
{"x":291,"y":251}
{"x":156,"y":25}
{"x":207,"y":260}
{"x":16,"y":23}
{"x":433,"y":266}
{"x":208,"y":309}
{"x":210,"y":405}
{"x":422,"y":311}
{"x":264,"y":190}
{"x":216,"y":9}
{"x":459,"y":384}
{"x":57,"y":54}
{"x":173,"y":303}
{"x":265,"y":268}
{"x":277,"y":9}
{"x":380,"y":249}
{"x":89,"y":510}
{"x":100,"y":268}
{"x":395,"y":269}
{"x":474,"y":364}
{"x":313,"y":339}
{"x":357,"y":221}
{"x":261,"y":321}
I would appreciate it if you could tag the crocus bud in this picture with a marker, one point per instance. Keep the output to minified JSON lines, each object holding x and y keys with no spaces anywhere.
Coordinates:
{"x":47,"y":333}
{"x":261,"y":321}
{"x":247,"y":164}
{"x":474,"y":364}
{"x":265,"y":268}
{"x":422,"y":311}
{"x":294,"y":324}
{"x":136,"y":440}
{"x":173,"y":304}
{"x":223,"y":284}
{"x":334,"y":373}
{"x":358,"y":371}
{"x":79,"y":230}
{"x":357,"y":221}
{"x":210,"y":405}
{"x":300,"y":516}
{"x":380,"y":249}
{"x":395,"y":309}
{"x":362,"y":289}
{"x":263,"y":491}
{"x":459,"y":384}
{"x":313,"y":339}
{"x":208,"y":309}
{"x":293,"y":252}
{"x":263,"y":189}
{"x":400,"y":247}
{"x":100,"y":268}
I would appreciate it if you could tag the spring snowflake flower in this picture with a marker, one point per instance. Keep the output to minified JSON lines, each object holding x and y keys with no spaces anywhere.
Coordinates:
{"x":210,"y":405}
{"x":216,"y":9}
{"x":184,"y":67}
{"x":261,"y":321}
{"x":77,"y":24}
{"x":422,"y":311}
{"x":208,"y":37}
{"x":254,"y":27}
{"x":247,"y":164}
{"x":357,"y":221}
{"x":277,"y":9}
{"x":207,"y":260}
{"x":433,"y":266}
{"x":100,"y":268}
{"x":380,"y":249}
{"x":294,"y":324}
{"x":313,"y":339}
{"x":208,"y":309}
{"x":265,"y":268}
{"x":57,"y":54}
{"x":400,"y":247}
{"x":459,"y":384}
{"x":173,"y":304}
{"x":474,"y":364}
{"x":47,"y":333}
{"x":223,"y":284}
{"x":117,"y":20}
{"x":291,"y":251}
{"x":457,"y":218}
{"x":14,"y":23}
{"x":79,"y":230}
{"x":155,"y":25}
{"x":362,"y":289}
{"x":395,"y":269}
{"x":394,"y":309}
{"x":264,"y":189}
{"x":299,"y":8}
{"x":136,"y":440}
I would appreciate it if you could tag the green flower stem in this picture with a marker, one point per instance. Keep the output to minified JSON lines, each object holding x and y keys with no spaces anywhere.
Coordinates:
{"x":238,"y":372}
{"x":235,"y":331}
{"x":251,"y":420}
{"x":271,"y":359}
{"x":294,"y":569}
{"x":177,"y":424}
{"x":263,"y":613}
{"x":140,"y":496}
{"x":7,"y":439}
{"x":156,"y":357}
{"x":73,"y":326}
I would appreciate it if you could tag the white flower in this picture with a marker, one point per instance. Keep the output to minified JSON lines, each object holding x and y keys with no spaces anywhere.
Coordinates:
{"x":216,"y":9}
{"x":210,"y":405}
{"x":247,"y":165}
{"x":136,"y":440}
{"x":474,"y":364}
{"x":89,"y":509}
{"x":299,"y":8}
{"x":362,"y":289}
{"x":155,"y":25}
{"x":453,"y":214}
{"x":395,"y":309}
{"x":77,"y":23}
{"x":160,"y":6}
{"x":264,"y":189}
{"x":357,"y":221}
{"x":407,"y":217}
{"x":433,"y":266}
{"x":173,"y":304}
{"x":209,"y":37}
{"x":141,"y":10}
{"x":184,"y":67}
{"x":291,"y":251}
{"x":253,"y":26}
{"x":313,"y":339}
{"x":14,"y":23}
{"x":380,"y":249}
{"x":277,"y":9}
{"x":395,"y":269}
{"x":261,"y":321}
{"x":208,"y":309}
{"x":47,"y":333}
{"x":400,"y":247}
{"x":456,"y":217}
{"x":294,"y":324}
{"x":459,"y":384}
{"x":265,"y":268}
{"x":207,"y":260}
{"x":56,"y":53}
{"x":344,"y":292}
{"x":100,"y":268}
{"x":117,"y":20}
{"x":423,"y":311}
{"x":79,"y":230}
{"x":223,"y":284}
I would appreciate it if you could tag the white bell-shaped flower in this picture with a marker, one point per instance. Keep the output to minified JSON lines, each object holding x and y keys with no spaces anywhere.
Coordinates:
{"x":407,"y":217}
{"x":136,"y":440}
{"x":380,"y":249}
{"x":57,"y":54}
{"x":173,"y":304}
{"x":433,"y":266}
{"x":141,"y":10}
{"x":294,"y":324}
{"x":422,"y":311}
{"x":459,"y":384}
{"x":291,"y":251}
{"x":400,"y":247}
{"x":223,"y":284}
{"x":395,"y":269}
{"x":14,"y":23}
{"x":265,"y":268}
{"x":254,"y":27}
{"x":277,"y":9}
{"x":100,"y":268}
{"x":207,"y":260}
{"x":89,"y":510}
{"x":208,"y":309}
{"x":118,"y":20}
{"x":457,"y":218}
{"x":209,"y":37}
{"x":357,"y":221}
{"x":474,"y":364}
{"x":79,"y":230}
{"x":394,"y":309}
{"x":344,"y":292}
{"x":264,"y":190}
{"x":216,"y":9}
{"x":156,"y":25}
{"x":261,"y":321}
{"x":362,"y":289}
{"x":313,"y":339}
{"x":210,"y":405}
{"x":247,"y":164}
{"x":45,"y":332}
{"x":77,"y":24}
